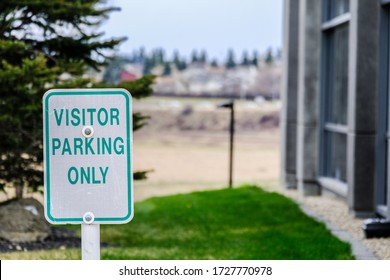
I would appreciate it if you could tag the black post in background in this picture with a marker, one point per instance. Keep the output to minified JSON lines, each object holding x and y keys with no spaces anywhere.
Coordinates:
{"x":231,"y":145}
{"x":230,"y":105}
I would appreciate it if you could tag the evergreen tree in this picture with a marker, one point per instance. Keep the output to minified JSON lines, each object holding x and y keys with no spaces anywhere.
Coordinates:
{"x":167,"y":69}
{"x":179,"y":63}
{"x":159,"y":57}
{"x":142,"y":54}
{"x":148,"y":65}
{"x":153,"y":59}
{"x":269,"y":58}
{"x":203,"y":57}
{"x":176,"y":57}
{"x":182,"y":65}
{"x":254,"y":61}
{"x":214,"y":63}
{"x":194,"y":57}
{"x":115,"y":67}
{"x":245,"y":59}
{"x":230,"y":62}
{"x":40,"y":41}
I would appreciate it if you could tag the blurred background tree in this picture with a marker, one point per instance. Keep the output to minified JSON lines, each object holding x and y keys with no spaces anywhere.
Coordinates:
{"x":43,"y":45}
{"x":230,"y":62}
{"x":269,"y":57}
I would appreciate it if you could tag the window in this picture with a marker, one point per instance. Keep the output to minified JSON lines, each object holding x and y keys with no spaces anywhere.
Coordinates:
{"x":338,"y":75}
{"x":337,"y":155}
{"x":335,"y":89}
{"x":335,"y":8}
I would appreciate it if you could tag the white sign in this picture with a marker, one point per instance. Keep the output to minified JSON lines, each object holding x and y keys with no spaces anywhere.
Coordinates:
{"x":88,"y":156}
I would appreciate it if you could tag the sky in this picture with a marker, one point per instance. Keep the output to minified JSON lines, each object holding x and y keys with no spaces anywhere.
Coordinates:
{"x":185,"y":25}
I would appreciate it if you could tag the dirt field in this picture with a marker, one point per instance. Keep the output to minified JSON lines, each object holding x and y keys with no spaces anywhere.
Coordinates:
{"x":186,"y":145}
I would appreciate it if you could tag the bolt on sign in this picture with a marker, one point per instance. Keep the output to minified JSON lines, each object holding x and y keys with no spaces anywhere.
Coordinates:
{"x":88,"y":155}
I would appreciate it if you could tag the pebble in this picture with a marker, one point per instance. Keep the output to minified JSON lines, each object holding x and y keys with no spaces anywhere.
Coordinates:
{"x":335,"y":211}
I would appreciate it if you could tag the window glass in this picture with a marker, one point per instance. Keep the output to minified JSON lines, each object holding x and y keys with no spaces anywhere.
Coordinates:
{"x":339,"y":7}
{"x":335,"y":91}
{"x":335,"y":8}
{"x":338,"y":76}
{"x":337,"y":144}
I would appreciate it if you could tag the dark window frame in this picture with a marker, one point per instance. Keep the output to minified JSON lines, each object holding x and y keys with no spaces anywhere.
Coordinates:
{"x":329,"y":129}
{"x":383,"y":124}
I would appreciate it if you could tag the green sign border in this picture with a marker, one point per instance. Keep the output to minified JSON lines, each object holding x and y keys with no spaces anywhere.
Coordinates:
{"x":86,"y":92}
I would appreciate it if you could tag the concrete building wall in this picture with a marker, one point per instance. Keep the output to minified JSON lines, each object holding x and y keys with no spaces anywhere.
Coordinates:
{"x":362,"y":96}
{"x":289,"y":94}
{"x":309,"y":64}
{"x":302,"y":97}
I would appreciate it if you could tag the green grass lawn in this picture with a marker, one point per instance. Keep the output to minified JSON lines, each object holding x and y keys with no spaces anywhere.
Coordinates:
{"x":241,"y":223}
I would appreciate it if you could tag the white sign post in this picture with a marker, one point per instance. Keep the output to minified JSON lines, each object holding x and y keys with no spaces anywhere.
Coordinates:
{"x":88,"y":160}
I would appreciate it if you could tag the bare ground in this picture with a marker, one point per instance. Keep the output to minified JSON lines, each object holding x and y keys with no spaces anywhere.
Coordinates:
{"x":187,"y":149}
{"x":186,"y":144}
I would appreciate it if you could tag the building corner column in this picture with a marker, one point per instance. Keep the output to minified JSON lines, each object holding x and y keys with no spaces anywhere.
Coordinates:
{"x":362,"y":106}
{"x":310,"y":14}
{"x":289,"y":94}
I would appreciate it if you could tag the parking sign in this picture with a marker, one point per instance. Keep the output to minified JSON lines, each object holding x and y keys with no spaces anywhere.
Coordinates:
{"x":88,"y":155}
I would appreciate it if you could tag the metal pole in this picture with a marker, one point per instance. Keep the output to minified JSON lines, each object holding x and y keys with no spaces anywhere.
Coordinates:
{"x":90,"y":241}
{"x":231,"y":145}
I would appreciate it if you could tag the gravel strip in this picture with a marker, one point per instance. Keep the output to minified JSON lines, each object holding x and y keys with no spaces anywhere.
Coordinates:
{"x":334,"y":211}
